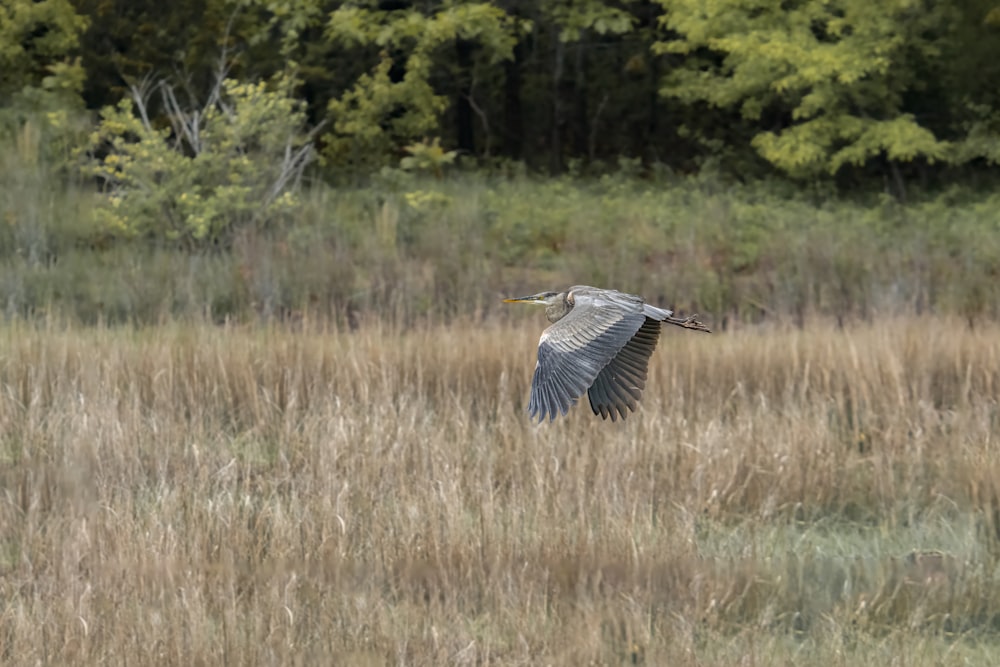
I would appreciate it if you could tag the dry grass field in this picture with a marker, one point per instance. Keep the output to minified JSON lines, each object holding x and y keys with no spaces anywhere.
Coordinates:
{"x":199,"y":495}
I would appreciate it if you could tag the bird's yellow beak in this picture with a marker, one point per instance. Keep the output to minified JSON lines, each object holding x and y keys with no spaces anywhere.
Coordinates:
{"x":524,"y":299}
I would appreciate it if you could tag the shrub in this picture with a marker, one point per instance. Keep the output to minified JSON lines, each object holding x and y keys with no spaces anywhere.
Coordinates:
{"x":234,"y":163}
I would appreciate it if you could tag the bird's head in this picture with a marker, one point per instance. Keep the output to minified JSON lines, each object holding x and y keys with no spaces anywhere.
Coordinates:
{"x":542,"y":298}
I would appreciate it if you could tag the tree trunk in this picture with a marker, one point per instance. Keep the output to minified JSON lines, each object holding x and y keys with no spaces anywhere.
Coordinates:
{"x":464,"y":129}
{"x":897,"y":185}
{"x":581,"y":122}
{"x":513,"y":118}
{"x":653,"y":145}
{"x":555,"y":156}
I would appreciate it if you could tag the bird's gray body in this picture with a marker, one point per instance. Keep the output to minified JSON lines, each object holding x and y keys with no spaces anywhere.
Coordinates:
{"x":599,"y":342}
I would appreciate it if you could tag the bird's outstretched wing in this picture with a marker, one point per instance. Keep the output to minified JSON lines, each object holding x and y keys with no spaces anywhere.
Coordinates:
{"x":575,"y":351}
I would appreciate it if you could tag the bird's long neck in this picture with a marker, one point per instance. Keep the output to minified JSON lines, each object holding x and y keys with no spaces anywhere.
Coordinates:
{"x":557,"y":310}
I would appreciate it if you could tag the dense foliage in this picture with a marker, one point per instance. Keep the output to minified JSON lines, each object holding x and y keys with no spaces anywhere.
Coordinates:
{"x":229,"y":166}
{"x":850,"y":87}
{"x":38,"y":70}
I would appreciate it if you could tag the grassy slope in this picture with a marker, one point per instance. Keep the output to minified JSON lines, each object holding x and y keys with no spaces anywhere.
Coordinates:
{"x":409,"y":248}
{"x":191,"y":494}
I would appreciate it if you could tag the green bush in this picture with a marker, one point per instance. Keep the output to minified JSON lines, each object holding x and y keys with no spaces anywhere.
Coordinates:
{"x":233,"y":164}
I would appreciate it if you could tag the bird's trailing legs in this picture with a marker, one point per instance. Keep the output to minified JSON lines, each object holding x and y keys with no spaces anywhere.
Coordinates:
{"x":689,"y":322}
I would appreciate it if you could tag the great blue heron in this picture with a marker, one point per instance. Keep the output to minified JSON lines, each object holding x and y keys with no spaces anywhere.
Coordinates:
{"x":599,"y":342}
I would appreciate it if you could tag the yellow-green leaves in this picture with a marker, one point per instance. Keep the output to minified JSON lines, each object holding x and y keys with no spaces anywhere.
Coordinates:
{"x":232,"y":164}
{"x":577,"y":17}
{"x":427,"y":156}
{"x":827,"y":143}
{"x":381,"y":113}
{"x":378,"y":115}
{"x":831,"y":72}
{"x":37,"y":41}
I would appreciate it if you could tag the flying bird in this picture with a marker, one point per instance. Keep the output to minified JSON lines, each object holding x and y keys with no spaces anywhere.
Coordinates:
{"x":599,"y":342}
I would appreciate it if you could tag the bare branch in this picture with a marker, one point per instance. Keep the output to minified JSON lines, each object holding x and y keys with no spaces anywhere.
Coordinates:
{"x":293,"y":165}
{"x":215,"y":97}
{"x":186,"y":125}
{"x":140,"y":96}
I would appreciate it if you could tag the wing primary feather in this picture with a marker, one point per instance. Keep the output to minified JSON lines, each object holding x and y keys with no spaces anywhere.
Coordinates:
{"x":599,"y":398}
{"x":618,"y":387}
{"x":616,"y":394}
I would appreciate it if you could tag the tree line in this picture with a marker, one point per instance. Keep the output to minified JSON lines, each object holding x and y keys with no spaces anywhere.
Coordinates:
{"x":901,"y":90}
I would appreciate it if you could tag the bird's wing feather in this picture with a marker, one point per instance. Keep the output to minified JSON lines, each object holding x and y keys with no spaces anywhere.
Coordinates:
{"x":618,"y":387}
{"x":573,"y":351}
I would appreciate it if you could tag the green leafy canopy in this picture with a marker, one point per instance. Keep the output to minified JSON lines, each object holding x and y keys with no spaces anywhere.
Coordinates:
{"x":379,"y":114}
{"x":38,"y":42}
{"x":824,"y":78}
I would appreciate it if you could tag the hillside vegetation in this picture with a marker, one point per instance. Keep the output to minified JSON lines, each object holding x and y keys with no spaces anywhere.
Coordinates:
{"x":411,"y":248}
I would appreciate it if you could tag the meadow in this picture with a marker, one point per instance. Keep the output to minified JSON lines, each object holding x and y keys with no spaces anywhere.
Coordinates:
{"x":200,"y":494}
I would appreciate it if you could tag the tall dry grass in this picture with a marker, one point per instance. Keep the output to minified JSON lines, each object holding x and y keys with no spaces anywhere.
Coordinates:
{"x":198,"y":495}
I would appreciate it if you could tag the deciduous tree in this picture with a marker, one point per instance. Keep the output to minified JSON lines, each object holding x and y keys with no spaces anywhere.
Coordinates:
{"x":38,"y":47}
{"x":824,"y":82}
